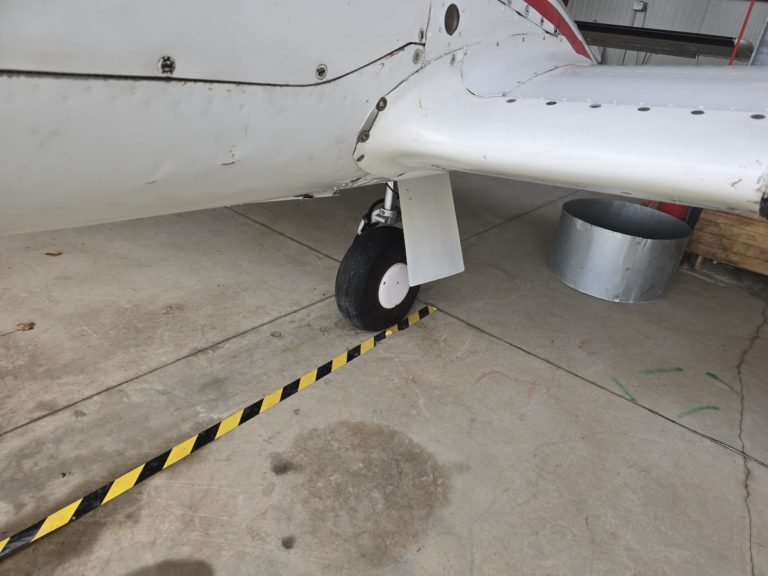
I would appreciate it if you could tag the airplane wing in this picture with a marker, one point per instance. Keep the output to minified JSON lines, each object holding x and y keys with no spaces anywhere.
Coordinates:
{"x":693,"y":135}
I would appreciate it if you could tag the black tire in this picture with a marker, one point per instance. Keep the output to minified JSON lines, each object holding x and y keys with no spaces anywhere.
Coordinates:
{"x":359,"y":275}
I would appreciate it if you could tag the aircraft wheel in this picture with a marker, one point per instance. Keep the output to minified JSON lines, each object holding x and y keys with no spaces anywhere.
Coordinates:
{"x":372,"y":288}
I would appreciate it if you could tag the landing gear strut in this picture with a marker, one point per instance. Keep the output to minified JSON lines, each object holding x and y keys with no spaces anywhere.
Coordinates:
{"x":372,"y":289}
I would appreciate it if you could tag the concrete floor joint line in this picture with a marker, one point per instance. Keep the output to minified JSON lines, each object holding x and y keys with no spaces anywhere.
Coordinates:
{"x":518,"y":216}
{"x":582,"y":378}
{"x":166,"y":365}
{"x":133,"y":477}
{"x":283,"y":234}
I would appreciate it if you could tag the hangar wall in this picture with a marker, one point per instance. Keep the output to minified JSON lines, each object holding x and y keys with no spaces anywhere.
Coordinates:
{"x":723,"y":17}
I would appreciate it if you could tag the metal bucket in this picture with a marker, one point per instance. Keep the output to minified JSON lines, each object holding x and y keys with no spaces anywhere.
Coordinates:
{"x":617,"y":250}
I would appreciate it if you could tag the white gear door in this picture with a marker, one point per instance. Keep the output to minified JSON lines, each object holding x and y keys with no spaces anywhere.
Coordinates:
{"x":432,"y":243}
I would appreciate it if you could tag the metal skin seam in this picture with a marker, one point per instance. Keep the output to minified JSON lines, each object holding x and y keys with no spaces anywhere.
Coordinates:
{"x":183,"y":80}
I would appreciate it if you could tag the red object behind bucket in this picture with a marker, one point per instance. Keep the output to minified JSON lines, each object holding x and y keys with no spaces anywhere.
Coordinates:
{"x":679,"y":211}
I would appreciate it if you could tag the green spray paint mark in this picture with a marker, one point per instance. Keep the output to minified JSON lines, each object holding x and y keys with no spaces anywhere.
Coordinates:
{"x":697,"y":410}
{"x":661,"y":370}
{"x":627,"y":393}
{"x":717,"y":378}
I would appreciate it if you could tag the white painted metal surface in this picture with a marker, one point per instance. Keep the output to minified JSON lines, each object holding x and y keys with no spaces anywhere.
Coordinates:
{"x":266,"y":42}
{"x":393,"y":286}
{"x":716,"y":157}
{"x":487,"y":20}
{"x":688,"y":88}
{"x":82,"y":151}
{"x":85,"y":149}
{"x":432,"y":243}
{"x":495,"y":68}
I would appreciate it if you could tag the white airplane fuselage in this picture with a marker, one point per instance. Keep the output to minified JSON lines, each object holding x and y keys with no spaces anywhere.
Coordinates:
{"x":113,"y":110}
{"x":266,"y":101}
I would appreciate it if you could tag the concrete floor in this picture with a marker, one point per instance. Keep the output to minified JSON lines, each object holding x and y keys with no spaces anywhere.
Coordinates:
{"x":524,"y":429}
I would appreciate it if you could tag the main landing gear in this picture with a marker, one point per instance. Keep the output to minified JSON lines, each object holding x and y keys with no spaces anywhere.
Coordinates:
{"x":372,"y":289}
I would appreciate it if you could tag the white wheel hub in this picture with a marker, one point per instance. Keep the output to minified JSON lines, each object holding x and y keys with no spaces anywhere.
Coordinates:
{"x":394,"y":286}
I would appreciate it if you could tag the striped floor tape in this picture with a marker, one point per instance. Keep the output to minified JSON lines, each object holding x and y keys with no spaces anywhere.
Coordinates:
{"x":82,"y":506}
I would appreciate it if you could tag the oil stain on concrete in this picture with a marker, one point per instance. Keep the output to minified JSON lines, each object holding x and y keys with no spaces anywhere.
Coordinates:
{"x":175,"y":568}
{"x":367,"y":490}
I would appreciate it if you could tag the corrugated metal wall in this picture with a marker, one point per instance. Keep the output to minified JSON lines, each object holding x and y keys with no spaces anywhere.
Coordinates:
{"x":722,"y":17}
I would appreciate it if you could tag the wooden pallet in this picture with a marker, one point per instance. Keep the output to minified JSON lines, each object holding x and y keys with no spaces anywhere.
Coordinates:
{"x":741,"y":241}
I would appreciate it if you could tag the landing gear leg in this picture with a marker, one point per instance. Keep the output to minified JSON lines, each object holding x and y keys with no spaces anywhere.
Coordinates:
{"x":372,"y":289}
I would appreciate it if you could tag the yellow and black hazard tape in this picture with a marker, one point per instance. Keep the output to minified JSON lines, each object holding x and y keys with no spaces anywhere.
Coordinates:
{"x":82,"y":506}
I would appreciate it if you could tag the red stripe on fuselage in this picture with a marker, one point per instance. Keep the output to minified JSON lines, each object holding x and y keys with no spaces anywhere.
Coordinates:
{"x":551,"y":14}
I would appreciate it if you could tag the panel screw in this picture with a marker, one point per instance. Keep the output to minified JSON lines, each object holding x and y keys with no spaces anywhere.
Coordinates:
{"x":381,"y":104}
{"x":363,"y":136}
{"x":321,"y":71}
{"x":417,"y":56}
{"x":422,"y":35}
{"x":166,"y":65}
